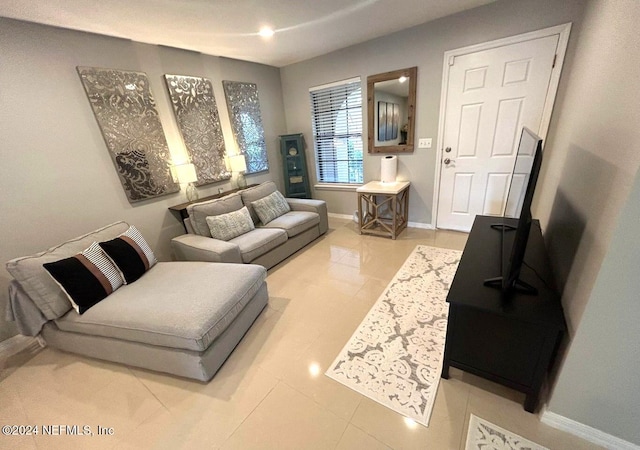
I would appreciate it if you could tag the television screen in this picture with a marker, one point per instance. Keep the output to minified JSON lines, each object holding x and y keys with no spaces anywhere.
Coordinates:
{"x":518,"y":205}
{"x":521,"y":173}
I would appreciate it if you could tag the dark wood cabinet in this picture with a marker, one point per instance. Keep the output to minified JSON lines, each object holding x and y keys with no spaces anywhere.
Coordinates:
{"x":296,"y":175}
{"x":510,"y":339}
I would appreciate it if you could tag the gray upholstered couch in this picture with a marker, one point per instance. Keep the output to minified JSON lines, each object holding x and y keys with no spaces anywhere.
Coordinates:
{"x":266,"y":245}
{"x":182,"y":318}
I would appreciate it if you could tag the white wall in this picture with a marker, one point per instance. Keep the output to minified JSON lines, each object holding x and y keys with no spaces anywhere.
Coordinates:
{"x":57,"y":180}
{"x":594,"y":153}
{"x":594,"y":161}
{"x":424,"y":47}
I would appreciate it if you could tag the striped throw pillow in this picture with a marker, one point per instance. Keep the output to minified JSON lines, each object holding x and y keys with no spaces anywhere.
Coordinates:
{"x":86,"y":278}
{"x":130,"y":253}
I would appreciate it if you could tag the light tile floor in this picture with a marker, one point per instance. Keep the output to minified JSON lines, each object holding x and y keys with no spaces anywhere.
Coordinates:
{"x":271,"y":393}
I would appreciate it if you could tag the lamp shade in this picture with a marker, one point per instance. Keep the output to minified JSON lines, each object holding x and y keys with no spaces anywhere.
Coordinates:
{"x":238,"y":163}
{"x":186,"y":173}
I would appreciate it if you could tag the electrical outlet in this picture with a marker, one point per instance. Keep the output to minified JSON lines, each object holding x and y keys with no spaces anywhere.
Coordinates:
{"x":424,"y":143}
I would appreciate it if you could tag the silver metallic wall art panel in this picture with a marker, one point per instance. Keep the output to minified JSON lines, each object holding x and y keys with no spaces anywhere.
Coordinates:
{"x":246,"y":123}
{"x":126,"y":113}
{"x":197,"y":114}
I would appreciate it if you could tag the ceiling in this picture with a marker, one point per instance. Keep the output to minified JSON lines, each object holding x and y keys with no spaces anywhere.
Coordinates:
{"x":303,"y":28}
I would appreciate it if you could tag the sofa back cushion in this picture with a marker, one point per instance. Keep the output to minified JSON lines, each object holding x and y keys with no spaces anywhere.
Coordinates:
{"x":36,"y":281}
{"x":198,"y":212}
{"x":256,"y":193}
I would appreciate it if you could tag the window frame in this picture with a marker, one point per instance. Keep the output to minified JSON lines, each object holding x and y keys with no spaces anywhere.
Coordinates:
{"x":324,"y":123}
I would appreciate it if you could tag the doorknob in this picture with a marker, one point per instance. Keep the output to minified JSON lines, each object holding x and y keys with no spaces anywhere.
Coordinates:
{"x":447,"y":161}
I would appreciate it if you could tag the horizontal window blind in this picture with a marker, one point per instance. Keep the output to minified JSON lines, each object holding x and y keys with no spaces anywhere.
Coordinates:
{"x":336,"y":113}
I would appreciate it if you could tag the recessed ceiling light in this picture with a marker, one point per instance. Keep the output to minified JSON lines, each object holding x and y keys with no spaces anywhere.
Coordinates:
{"x":402,"y":79}
{"x":266,"y":32}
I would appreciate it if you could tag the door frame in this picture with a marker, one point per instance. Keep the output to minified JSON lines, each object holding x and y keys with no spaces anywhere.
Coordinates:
{"x":562,"y":30}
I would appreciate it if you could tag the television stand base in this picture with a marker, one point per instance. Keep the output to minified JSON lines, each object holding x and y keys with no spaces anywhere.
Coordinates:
{"x":502,"y":226}
{"x":519,"y":285}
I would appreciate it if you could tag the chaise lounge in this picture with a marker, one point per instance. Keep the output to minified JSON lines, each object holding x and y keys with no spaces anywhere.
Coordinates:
{"x":182,"y":318}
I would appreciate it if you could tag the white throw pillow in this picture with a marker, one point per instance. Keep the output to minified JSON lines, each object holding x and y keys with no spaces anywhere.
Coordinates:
{"x":272,"y":206}
{"x":230,"y":225}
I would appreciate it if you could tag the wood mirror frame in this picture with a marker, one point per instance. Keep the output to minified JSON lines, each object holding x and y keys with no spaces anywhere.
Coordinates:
{"x":412,"y":75}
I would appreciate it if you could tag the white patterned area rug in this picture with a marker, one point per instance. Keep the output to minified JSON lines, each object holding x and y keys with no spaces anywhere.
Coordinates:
{"x":483,"y":435}
{"x":395,"y":355}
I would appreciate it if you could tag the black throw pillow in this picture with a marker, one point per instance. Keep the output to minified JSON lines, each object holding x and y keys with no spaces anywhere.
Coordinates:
{"x":130,"y":253}
{"x":86,"y":278}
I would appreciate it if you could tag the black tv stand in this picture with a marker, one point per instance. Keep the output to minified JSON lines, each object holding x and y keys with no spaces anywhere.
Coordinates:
{"x":510,"y":340}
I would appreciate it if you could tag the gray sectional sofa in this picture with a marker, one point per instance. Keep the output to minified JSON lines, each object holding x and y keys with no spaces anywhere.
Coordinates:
{"x":182,"y":318}
{"x":265,"y":244}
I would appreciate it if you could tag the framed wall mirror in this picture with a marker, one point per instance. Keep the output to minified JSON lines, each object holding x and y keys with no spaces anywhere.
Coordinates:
{"x":391,"y":100}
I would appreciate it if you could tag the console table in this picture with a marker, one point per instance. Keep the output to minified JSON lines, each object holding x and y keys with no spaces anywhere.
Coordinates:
{"x":395,"y":196}
{"x":511,"y":340}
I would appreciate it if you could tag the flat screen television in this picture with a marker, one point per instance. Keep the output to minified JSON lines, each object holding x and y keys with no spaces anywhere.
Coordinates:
{"x":518,"y":205}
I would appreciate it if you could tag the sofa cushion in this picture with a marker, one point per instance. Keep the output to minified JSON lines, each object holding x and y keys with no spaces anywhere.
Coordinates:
{"x":86,"y":278}
{"x":230,"y":225}
{"x":295,"y":222}
{"x":36,"y":281}
{"x":258,"y":242}
{"x":270,"y":207}
{"x":154,"y":309}
{"x":198,"y":212}
{"x":255,"y":193}
{"x":130,"y":253}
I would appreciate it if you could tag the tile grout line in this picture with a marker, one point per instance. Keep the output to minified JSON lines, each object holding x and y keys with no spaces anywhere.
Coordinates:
{"x":372,"y":436}
{"x":465,"y":422}
{"x":150,"y":391}
{"x":250,"y":412}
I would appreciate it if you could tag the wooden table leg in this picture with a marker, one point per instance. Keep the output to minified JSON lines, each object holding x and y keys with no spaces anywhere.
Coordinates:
{"x":360,"y":218}
{"x":394,"y":209}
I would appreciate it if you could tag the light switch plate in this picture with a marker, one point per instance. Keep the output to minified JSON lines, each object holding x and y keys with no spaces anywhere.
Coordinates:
{"x":424,"y":143}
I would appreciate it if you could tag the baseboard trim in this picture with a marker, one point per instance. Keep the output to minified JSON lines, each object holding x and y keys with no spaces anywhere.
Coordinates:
{"x":585,"y":431}
{"x":424,"y":226}
{"x":340,"y":216}
{"x":17,"y":344}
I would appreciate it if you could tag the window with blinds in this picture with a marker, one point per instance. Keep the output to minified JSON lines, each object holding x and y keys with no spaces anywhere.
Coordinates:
{"x":336,"y":113}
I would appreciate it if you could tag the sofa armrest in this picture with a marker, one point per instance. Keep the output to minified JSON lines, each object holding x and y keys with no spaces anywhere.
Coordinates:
{"x":193,"y":247}
{"x":316,"y":206}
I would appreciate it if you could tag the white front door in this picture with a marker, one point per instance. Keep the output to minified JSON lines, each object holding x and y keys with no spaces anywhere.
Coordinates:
{"x":490,"y":95}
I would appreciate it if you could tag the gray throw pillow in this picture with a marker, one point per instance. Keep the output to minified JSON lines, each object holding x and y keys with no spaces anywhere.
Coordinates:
{"x":252,"y":194}
{"x":230,"y":225}
{"x":269,"y":207}
{"x":198,"y":212}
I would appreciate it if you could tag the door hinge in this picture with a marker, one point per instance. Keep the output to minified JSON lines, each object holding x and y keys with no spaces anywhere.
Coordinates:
{"x":452,"y":60}
{"x":553,"y":64}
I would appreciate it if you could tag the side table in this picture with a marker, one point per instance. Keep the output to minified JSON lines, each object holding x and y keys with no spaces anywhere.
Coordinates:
{"x":373,"y":219}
